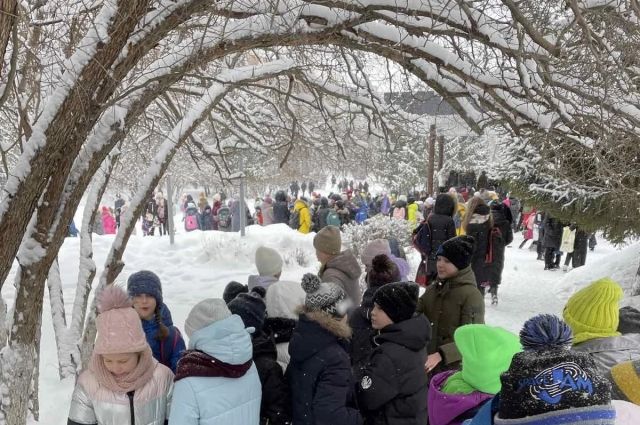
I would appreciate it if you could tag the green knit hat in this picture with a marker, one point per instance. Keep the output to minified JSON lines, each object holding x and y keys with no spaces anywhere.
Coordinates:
{"x":594,"y":311}
{"x":486,"y":353}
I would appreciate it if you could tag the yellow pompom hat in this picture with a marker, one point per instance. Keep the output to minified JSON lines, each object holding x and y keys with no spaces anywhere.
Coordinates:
{"x":593,"y":312}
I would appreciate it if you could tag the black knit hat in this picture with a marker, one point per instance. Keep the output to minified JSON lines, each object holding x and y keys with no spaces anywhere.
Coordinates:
{"x":232,"y":290}
{"x":398,"y":300}
{"x":547,"y":377}
{"x":251,"y":308}
{"x":458,"y":251}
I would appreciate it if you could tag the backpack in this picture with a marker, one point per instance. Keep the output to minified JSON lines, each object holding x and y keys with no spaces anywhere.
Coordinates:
{"x":399,"y":213}
{"x":161,"y":211}
{"x":333,"y":219}
{"x":191,"y":220}
{"x":224,"y":217}
{"x":422,"y":238}
{"x":168,"y":346}
{"x":294,"y":220}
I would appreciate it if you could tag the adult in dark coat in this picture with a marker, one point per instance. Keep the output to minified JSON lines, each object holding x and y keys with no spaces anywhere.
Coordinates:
{"x":551,"y":242}
{"x":478,"y":223}
{"x":580,"y":245}
{"x":320,"y":369}
{"x":321,"y":214}
{"x":442,"y":229}
{"x":392,"y":386}
{"x":501,"y":236}
{"x":281,"y":208}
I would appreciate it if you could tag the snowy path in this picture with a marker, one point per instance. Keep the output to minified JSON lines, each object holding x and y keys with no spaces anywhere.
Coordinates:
{"x":189,"y":275}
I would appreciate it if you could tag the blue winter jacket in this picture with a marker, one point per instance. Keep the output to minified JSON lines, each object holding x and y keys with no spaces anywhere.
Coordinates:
{"x":486,"y":413}
{"x":217,"y":400}
{"x":167,"y":351}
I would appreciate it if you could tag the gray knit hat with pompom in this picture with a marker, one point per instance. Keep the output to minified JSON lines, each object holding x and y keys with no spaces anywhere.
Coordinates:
{"x":326,"y":296}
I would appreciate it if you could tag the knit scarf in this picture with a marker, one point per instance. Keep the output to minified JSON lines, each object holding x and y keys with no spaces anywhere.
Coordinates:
{"x":198,"y":363}
{"x":134,"y":380}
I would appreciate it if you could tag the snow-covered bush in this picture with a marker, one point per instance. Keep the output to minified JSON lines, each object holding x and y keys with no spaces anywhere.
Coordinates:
{"x":357,"y":236}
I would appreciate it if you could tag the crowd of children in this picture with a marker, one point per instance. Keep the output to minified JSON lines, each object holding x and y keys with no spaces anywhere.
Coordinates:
{"x":321,"y":351}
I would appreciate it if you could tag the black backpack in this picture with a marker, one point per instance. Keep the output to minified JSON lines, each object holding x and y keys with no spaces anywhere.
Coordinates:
{"x":422,"y":238}
{"x":294,"y":220}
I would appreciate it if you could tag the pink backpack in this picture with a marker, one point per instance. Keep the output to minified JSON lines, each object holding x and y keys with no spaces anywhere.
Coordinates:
{"x":191,"y":223}
{"x":399,"y":213}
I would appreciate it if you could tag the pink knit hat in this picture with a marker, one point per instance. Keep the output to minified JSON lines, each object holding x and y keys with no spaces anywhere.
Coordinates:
{"x":119,"y":327}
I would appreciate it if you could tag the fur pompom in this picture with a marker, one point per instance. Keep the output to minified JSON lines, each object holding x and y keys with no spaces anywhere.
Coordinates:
{"x":545,"y":332}
{"x":310,"y":283}
{"x":113,"y":297}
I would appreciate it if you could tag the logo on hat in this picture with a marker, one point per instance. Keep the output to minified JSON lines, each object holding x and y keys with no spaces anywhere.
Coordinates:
{"x":550,"y":384}
{"x":366,"y":382}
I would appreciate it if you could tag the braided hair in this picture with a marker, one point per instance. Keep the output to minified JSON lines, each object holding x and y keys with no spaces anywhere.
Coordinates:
{"x":163,"y":330}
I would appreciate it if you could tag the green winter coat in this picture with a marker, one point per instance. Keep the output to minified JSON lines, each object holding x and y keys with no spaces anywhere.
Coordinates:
{"x":448,"y":305}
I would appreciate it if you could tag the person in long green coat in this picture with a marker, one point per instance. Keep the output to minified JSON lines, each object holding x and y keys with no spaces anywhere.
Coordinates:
{"x":453,"y":300}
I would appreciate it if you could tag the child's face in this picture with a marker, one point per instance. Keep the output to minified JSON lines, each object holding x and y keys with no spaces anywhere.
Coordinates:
{"x":379,"y":319}
{"x":445,"y":268}
{"x":120,"y":364}
{"x":145,"y":306}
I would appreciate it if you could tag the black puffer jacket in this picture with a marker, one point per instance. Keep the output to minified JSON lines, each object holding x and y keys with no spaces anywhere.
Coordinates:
{"x":442,"y":228}
{"x":479,"y":228}
{"x":499,"y":240}
{"x":392,"y":386}
{"x":281,"y":208}
{"x":362,"y":332}
{"x":552,"y":233}
{"x":275,"y":407}
{"x":320,"y":372}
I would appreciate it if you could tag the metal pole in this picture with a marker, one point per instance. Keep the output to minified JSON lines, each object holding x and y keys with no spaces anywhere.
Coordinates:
{"x":242,"y":206}
{"x":170,"y":212}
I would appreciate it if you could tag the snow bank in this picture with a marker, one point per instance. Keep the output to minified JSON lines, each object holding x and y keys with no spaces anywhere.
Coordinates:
{"x":620,"y":266}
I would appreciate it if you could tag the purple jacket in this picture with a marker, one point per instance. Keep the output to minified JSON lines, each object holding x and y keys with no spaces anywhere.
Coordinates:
{"x":448,"y":409}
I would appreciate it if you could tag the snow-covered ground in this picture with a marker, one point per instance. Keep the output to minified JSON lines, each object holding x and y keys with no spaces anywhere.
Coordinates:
{"x":199,"y":266}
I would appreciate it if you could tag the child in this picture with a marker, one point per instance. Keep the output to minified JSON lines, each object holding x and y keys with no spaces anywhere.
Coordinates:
{"x":382,"y":271}
{"x":216,"y":381}
{"x":486,"y":353}
{"x":593,"y":315}
{"x":452,"y":301}
{"x":549,"y":384}
{"x":392,"y":386}
{"x":123,"y":384}
{"x":275,"y":405}
{"x":320,"y":370}
{"x":164,"y":339}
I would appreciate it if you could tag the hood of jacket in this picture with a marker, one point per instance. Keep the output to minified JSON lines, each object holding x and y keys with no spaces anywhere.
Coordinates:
{"x":227,"y":340}
{"x":345,"y":262}
{"x":262,"y":281}
{"x":316,"y":330}
{"x":413,"y":333}
{"x":281,"y":196}
{"x":280,"y":328}
{"x":299,"y":204}
{"x":444,"y":408}
{"x":499,"y":215}
{"x":445,"y":205}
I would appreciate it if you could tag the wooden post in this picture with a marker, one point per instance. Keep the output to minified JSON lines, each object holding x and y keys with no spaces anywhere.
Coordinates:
{"x":440,"y":152}
{"x":431,"y":159}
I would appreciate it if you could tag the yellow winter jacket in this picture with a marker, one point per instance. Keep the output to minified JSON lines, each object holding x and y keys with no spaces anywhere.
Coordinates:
{"x":412,"y":213}
{"x":305,"y":216}
{"x":461,"y":210}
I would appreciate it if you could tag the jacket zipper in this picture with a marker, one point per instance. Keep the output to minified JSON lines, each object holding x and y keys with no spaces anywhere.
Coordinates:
{"x":130,"y":394}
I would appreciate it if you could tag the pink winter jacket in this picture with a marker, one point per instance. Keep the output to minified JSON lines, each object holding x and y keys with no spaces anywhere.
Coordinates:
{"x":94,"y":404}
{"x":108,"y":222}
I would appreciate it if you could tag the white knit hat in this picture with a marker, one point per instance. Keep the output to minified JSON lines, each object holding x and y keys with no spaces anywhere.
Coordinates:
{"x":268,"y":261}
{"x":205,"y":313}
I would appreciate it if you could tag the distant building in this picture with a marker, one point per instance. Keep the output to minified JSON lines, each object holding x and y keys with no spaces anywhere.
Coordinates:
{"x":420,"y":103}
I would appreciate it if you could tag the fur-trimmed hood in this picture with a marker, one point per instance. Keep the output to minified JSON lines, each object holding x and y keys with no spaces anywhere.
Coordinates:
{"x":316,"y":330}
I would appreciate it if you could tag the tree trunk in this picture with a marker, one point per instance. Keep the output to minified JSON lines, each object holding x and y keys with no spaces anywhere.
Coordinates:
{"x":56,"y":299}
{"x":440,"y":152}
{"x":431,"y":159}
{"x":8,"y":12}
